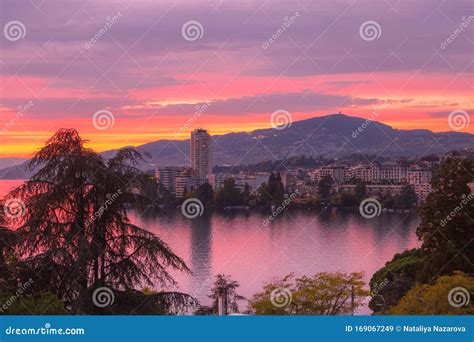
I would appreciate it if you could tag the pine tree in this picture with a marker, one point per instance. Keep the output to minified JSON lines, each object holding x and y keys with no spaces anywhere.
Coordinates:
{"x":76,"y":234}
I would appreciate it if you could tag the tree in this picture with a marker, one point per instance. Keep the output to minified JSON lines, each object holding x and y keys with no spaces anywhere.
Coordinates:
{"x":43,"y":303}
{"x":447,"y":220}
{"x":324,"y":187}
{"x":322,"y":294}
{"x":273,"y":191}
{"x":389,"y":284}
{"x":360,"y":191}
{"x":8,"y":240}
{"x":76,"y":234}
{"x":445,"y":297}
{"x":228,"y":195}
{"x":407,"y":198}
{"x":226,"y":289}
{"x":204,"y":193}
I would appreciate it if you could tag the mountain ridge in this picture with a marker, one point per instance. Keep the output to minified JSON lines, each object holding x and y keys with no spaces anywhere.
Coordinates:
{"x":333,"y":135}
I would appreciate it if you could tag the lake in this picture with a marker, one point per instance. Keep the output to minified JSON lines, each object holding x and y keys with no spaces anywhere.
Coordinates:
{"x":302,"y":242}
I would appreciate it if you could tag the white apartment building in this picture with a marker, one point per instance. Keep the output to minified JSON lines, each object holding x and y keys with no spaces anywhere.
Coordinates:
{"x":421,"y":179}
{"x":337,"y":173}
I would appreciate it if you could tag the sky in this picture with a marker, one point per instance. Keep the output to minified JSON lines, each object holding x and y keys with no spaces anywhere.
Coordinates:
{"x":126,"y":72}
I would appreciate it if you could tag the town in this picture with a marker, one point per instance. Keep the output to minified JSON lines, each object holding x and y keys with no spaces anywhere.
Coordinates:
{"x":332,"y":182}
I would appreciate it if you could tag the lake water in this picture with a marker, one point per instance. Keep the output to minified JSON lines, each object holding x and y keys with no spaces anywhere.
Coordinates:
{"x":302,"y":242}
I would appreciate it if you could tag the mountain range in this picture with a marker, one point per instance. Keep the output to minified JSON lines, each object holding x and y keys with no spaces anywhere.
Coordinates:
{"x":334,"y":135}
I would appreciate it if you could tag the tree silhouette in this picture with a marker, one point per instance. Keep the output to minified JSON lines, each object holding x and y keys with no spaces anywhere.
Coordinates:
{"x":226,"y":288}
{"x":447,"y":221}
{"x":76,"y":235}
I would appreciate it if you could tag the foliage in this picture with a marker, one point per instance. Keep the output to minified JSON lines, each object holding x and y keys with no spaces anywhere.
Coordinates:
{"x":433,"y":299}
{"x":145,"y":302}
{"x":447,"y":220}
{"x":322,"y":294}
{"x":274,"y":165}
{"x":272,"y":192}
{"x":228,"y":195}
{"x":226,"y":288}
{"x":76,"y":234}
{"x":204,"y":193}
{"x":42,"y":303}
{"x":324,"y":187}
{"x":389,"y":284}
{"x":406,"y":199}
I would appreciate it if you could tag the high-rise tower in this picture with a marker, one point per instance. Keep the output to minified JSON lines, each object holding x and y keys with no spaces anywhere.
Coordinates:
{"x":201,"y":152}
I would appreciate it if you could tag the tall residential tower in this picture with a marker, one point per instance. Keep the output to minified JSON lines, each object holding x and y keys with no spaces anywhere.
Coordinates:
{"x":201,"y":153}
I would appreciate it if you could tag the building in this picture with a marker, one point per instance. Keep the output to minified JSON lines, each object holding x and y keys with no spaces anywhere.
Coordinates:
{"x":366,"y":173}
{"x":420,"y":178}
{"x":177,"y":179}
{"x":288,"y":179}
{"x":374,"y":189}
{"x":252,"y":180}
{"x":185,"y":181}
{"x":166,"y":176}
{"x":201,"y":153}
{"x":336,"y":172}
{"x":394,"y":172}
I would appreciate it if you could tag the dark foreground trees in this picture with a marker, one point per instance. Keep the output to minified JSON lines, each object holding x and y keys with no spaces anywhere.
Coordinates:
{"x":417,"y":281}
{"x":447,"y":221}
{"x":224,"y":293}
{"x":75,"y":235}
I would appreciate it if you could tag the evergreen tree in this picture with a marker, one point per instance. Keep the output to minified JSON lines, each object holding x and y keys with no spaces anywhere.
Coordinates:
{"x":226,"y":288}
{"x":76,"y":234}
{"x":324,"y":188}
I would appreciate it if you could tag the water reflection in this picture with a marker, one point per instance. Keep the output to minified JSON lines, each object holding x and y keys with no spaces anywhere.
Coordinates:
{"x":303,"y":242}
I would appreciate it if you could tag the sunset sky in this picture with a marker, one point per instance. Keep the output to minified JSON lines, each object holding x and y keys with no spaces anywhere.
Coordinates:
{"x":135,"y":60}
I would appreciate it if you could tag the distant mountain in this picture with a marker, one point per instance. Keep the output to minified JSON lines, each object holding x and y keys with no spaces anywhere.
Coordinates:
{"x":333,"y":135}
{"x":9,"y":162}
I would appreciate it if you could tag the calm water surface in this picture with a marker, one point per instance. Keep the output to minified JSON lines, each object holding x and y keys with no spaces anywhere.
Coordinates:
{"x":302,"y":242}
